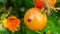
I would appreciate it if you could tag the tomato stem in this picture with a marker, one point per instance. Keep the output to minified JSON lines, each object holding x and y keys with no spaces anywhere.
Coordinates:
{"x":54,"y":9}
{"x":38,"y":32}
{"x":49,"y":7}
{"x":58,"y":8}
{"x":48,"y":11}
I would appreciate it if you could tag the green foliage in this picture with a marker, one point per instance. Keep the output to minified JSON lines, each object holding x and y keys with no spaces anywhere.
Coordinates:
{"x":19,"y":8}
{"x":3,"y":30}
{"x":29,"y":3}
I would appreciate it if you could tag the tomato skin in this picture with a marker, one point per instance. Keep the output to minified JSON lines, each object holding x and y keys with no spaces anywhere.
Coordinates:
{"x":34,"y":19}
{"x":41,"y":3}
{"x":51,"y":2}
{"x":11,"y":23}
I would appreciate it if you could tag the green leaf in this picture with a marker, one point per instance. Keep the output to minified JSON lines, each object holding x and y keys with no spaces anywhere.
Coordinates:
{"x":18,"y":3}
{"x":49,"y":27}
{"x":57,"y":30}
{"x":3,"y":30}
{"x":29,"y":3}
{"x":1,"y":1}
{"x":28,"y":31}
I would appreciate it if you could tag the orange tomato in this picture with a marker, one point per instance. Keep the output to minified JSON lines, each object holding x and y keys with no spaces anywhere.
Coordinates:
{"x":11,"y":23}
{"x":51,"y":2}
{"x":34,"y":19}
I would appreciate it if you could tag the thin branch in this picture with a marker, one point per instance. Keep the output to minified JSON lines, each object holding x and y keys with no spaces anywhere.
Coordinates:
{"x":9,"y":11}
{"x":58,"y":8}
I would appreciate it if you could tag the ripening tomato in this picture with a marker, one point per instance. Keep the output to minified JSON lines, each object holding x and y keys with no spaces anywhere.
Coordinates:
{"x":11,"y":23}
{"x":34,"y":19}
{"x":51,"y":2}
{"x":41,"y":3}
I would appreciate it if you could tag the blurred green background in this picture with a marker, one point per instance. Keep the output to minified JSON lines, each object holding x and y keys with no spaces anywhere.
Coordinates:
{"x":19,"y":8}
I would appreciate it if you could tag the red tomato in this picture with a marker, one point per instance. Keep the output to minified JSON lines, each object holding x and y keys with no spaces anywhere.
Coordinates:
{"x":41,"y":3}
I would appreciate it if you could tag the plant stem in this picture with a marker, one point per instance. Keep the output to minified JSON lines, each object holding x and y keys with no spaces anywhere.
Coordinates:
{"x":58,"y":8}
{"x":38,"y":32}
{"x":9,"y":11}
